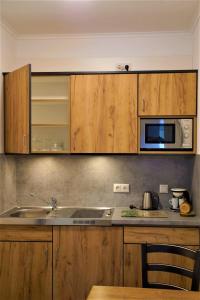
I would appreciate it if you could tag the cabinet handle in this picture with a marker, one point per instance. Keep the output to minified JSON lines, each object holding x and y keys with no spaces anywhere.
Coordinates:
{"x":24,"y":140}
{"x":143,"y":105}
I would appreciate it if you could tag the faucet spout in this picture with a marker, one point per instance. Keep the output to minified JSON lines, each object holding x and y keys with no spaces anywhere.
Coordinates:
{"x":53,"y":201}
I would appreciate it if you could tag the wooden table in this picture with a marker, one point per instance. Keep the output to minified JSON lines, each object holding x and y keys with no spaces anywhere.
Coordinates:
{"x":128,"y":293}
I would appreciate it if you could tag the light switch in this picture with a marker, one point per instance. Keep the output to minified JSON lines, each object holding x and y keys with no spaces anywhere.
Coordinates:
{"x":164,"y":189}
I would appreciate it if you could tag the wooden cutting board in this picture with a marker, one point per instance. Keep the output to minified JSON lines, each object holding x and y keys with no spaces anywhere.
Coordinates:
{"x":138,"y":213}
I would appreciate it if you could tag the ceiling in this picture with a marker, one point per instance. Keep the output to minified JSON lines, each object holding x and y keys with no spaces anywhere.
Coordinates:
{"x":101,"y":16}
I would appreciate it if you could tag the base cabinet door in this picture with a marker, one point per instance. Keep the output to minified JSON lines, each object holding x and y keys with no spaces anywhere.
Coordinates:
{"x":25,"y":270}
{"x":86,"y":256}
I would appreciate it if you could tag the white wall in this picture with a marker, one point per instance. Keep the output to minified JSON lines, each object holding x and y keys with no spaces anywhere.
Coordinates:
{"x":196,"y":65}
{"x":104,"y":52}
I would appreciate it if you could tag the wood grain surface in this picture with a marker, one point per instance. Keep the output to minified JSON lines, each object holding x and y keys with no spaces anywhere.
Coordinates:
{"x":84,"y":256}
{"x":133,"y":267}
{"x":167,"y":94}
{"x":25,"y":233}
{"x":25,"y":271}
{"x":17,"y":105}
{"x":104,"y":113}
{"x":126,"y":293}
{"x":153,"y":235}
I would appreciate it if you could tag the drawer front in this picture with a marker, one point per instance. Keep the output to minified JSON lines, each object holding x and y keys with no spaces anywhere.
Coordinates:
{"x":179,"y":236}
{"x":25,"y":233}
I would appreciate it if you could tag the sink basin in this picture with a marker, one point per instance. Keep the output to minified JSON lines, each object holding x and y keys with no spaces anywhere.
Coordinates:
{"x":36,"y":212}
{"x":80,"y":213}
{"x":61,"y":215}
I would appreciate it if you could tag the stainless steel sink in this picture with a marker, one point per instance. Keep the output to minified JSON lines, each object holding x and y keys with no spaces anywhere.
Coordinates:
{"x":60,"y":215}
{"x":28,"y":212}
{"x":80,"y":213}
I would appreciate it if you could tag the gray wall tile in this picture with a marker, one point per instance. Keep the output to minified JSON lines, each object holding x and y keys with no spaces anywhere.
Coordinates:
{"x":7,"y":182}
{"x":196,"y":184}
{"x":88,"y":180}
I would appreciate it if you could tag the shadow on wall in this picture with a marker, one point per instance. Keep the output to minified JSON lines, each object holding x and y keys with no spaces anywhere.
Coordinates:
{"x":196,"y":184}
{"x":88,"y":180}
{"x":7,"y":182}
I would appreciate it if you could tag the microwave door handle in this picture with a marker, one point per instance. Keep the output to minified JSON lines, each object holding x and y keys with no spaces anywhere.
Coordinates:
{"x":180,"y":133}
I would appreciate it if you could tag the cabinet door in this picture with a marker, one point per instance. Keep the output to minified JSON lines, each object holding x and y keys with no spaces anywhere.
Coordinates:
{"x":86,"y":256}
{"x":133,"y":267}
{"x":26,"y":270}
{"x":50,"y":117}
{"x":17,"y":105}
{"x":104,"y":113}
{"x":167,"y":94}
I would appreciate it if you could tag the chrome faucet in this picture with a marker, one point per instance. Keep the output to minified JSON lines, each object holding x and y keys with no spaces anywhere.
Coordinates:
{"x":53,"y":202}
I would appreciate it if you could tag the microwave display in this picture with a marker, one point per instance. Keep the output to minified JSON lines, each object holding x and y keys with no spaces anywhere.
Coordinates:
{"x":160,"y":133}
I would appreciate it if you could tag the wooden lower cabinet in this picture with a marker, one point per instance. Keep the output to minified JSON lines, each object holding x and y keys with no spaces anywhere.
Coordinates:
{"x":86,"y":256}
{"x":135,"y":236}
{"x":25,"y":263}
{"x":63,"y":262}
{"x":25,"y":271}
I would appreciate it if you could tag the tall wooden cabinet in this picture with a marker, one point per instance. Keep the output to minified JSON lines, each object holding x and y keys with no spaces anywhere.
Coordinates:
{"x":17,"y":116}
{"x":86,"y":256}
{"x":104,"y":113}
{"x":167,"y":94}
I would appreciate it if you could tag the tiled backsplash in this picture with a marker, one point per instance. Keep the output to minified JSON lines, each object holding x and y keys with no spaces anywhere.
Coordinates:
{"x":196,"y":184}
{"x":88,"y":180}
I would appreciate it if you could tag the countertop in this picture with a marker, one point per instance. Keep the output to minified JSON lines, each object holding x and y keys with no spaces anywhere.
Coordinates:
{"x":173,"y":219}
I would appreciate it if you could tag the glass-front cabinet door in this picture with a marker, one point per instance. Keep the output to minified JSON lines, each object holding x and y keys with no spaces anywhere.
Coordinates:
{"x":50,"y":114}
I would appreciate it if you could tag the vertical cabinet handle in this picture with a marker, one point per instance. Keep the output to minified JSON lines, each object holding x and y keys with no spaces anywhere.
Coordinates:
{"x":24,"y":141}
{"x":143,"y":102}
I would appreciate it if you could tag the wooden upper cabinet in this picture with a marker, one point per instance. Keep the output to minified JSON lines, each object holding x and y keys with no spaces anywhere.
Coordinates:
{"x":167,"y":94}
{"x":104,"y":113}
{"x":17,"y":104}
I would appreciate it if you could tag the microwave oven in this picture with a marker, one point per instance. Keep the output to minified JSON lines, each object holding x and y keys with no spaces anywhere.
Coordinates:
{"x":166,"y":134}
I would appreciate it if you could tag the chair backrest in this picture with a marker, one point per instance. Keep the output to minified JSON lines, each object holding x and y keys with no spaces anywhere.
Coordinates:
{"x":172,"y":249}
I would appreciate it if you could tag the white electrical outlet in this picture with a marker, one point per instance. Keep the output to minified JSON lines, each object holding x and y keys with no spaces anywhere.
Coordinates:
{"x":125,"y":188}
{"x":121,"y":188}
{"x":164,"y":189}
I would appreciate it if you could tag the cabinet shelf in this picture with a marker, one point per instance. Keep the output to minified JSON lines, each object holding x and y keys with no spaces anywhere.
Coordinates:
{"x":50,"y":151}
{"x":49,"y":100}
{"x":50,"y":125}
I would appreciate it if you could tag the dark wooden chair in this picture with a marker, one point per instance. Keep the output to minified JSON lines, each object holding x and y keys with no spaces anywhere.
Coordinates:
{"x":172,"y":249}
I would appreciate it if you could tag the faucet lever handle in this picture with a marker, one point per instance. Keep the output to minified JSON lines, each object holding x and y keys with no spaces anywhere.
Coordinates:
{"x":53,"y":202}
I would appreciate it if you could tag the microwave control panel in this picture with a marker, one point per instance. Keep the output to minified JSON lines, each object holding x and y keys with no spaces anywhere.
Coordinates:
{"x":187,"y":130}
